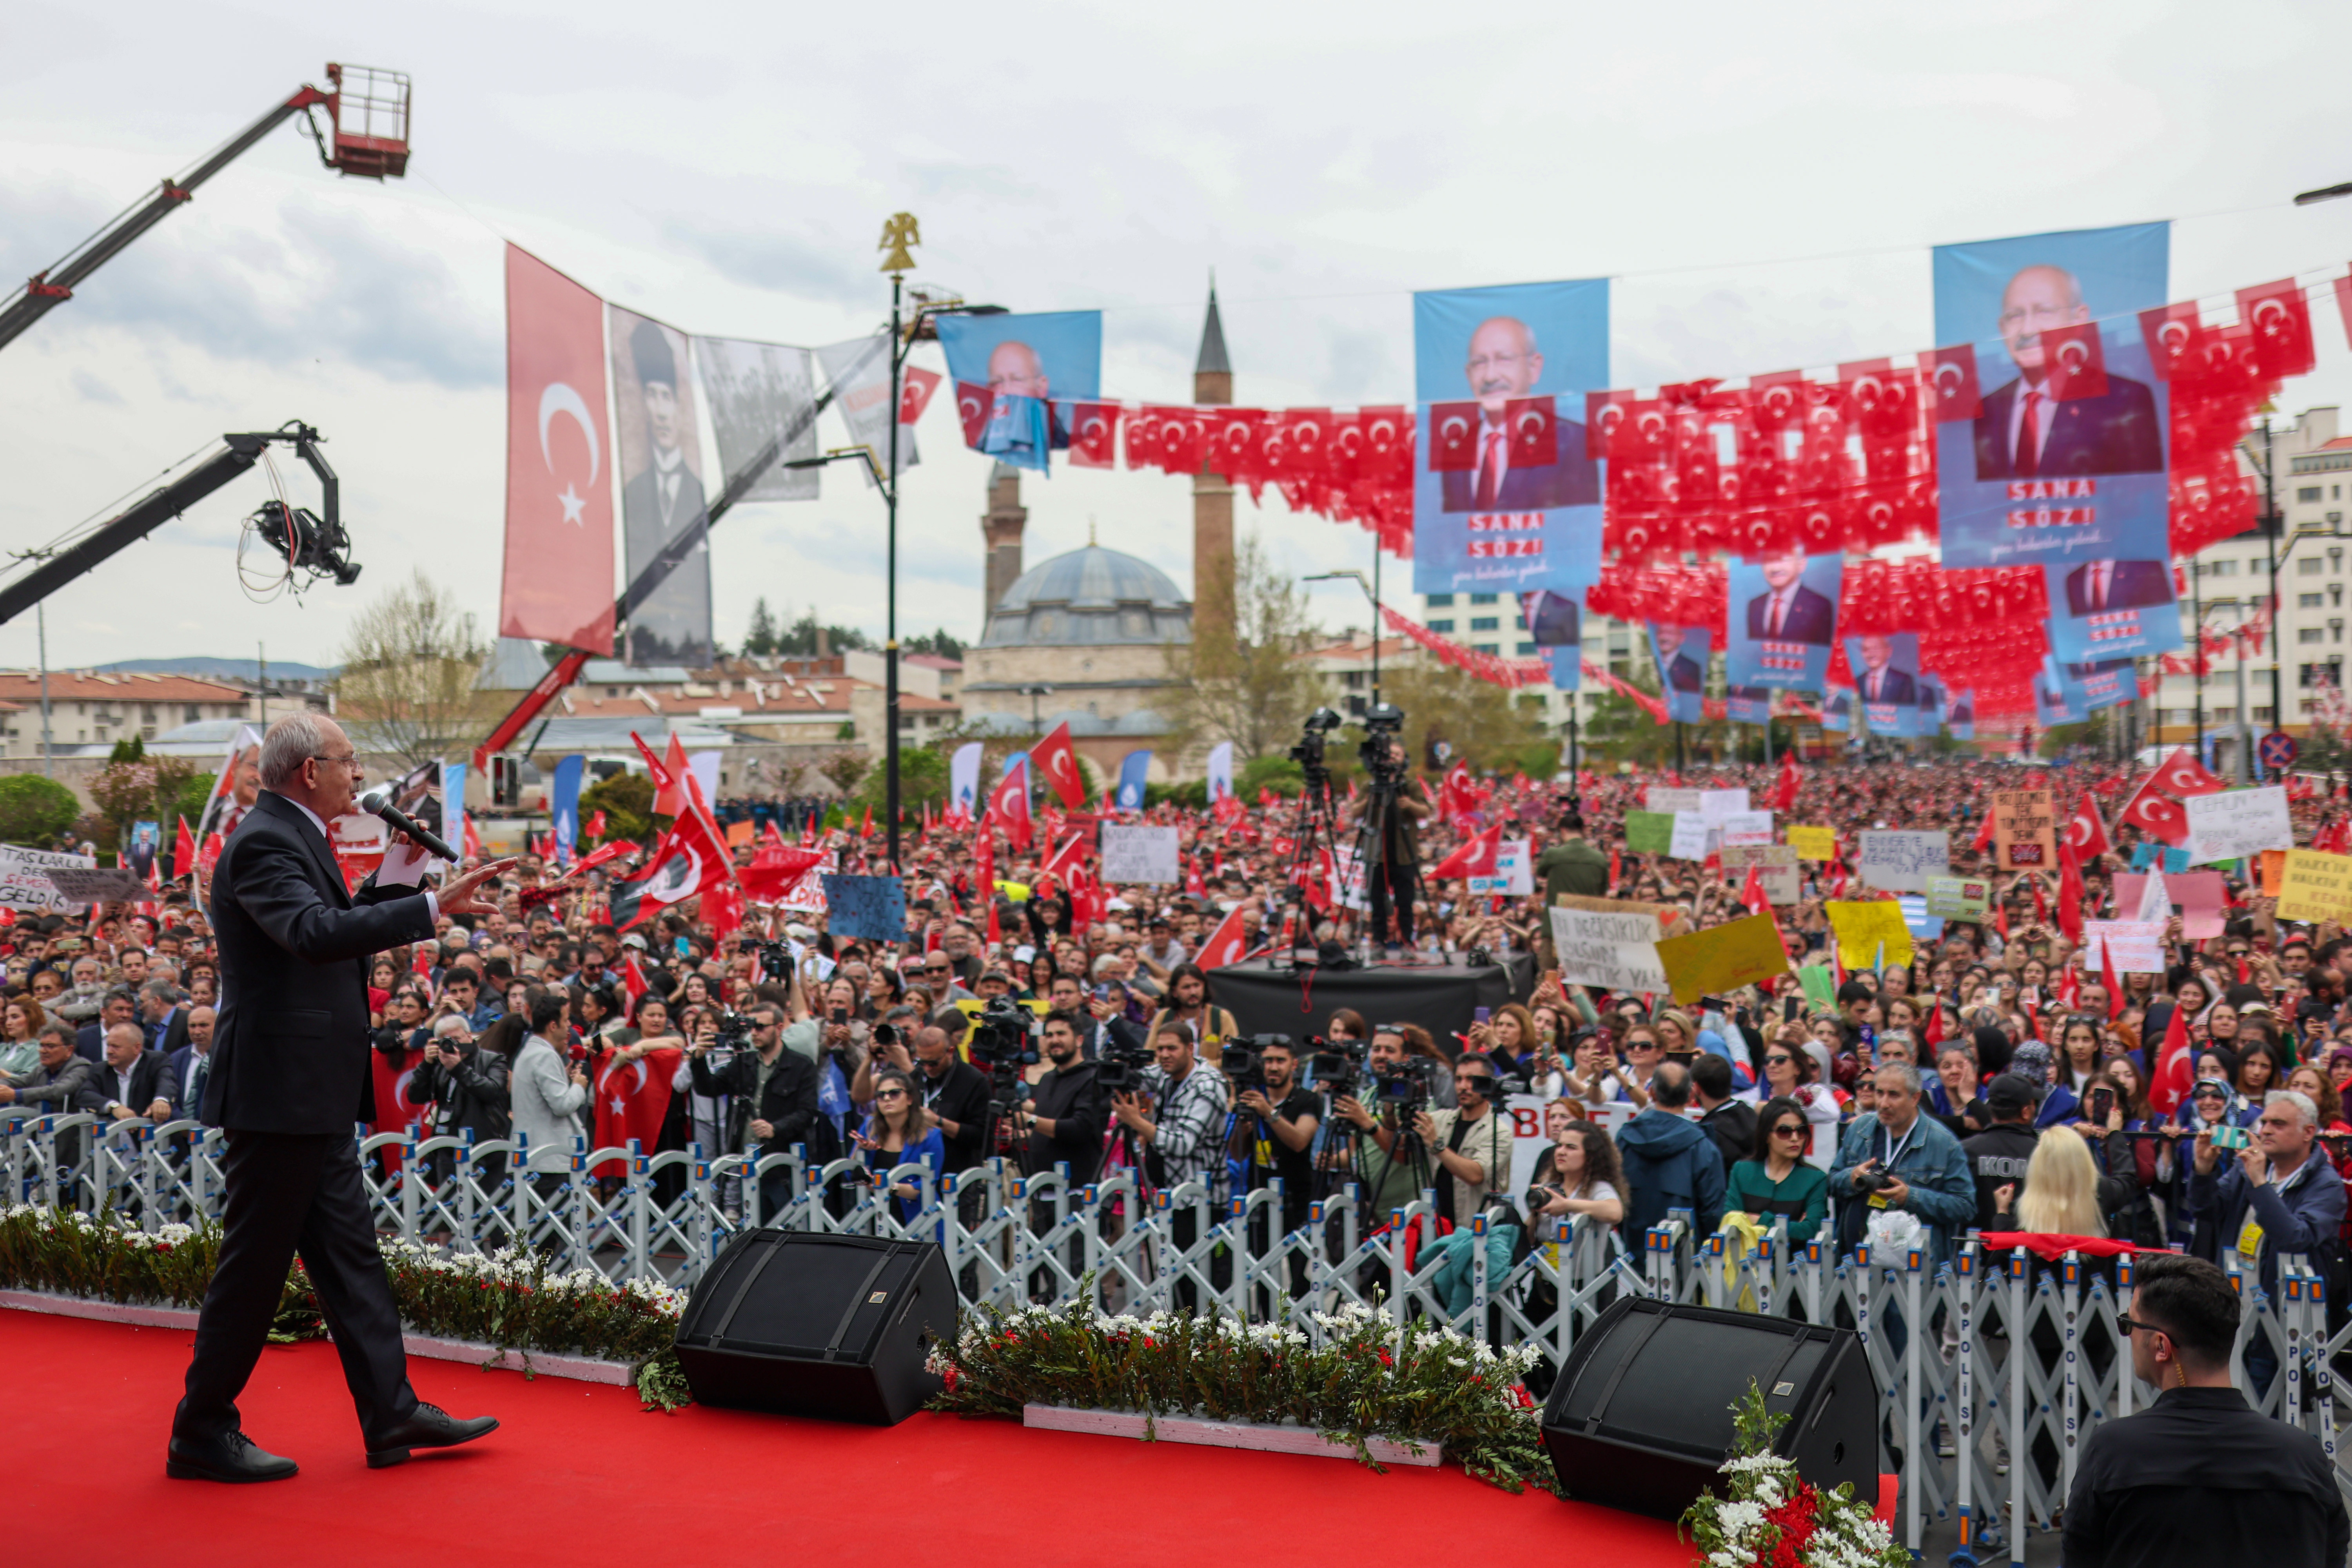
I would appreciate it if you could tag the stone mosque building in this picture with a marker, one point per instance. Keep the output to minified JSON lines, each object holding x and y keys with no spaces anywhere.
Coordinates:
{"x":1084,"y":637}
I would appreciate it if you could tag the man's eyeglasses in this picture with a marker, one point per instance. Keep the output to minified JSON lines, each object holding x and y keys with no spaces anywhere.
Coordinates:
{"x":2128,"y":1325}
{"x":348,"y":760}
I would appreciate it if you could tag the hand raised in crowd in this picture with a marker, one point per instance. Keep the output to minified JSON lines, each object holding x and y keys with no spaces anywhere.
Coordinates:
{"x":465,"y":895}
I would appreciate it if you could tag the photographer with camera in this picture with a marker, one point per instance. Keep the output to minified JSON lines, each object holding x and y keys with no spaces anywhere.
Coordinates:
{"x":1390,"y":1177}
{"x":1388,"y":849}
{"x":1067,"y":1111}
{"x":772,"y":1098}
{"x":1273,"y":1121}
{"x":1471,"y":1143}
{"x":1175,"y":1115}
{"x":955,"y":1094}
{"x":468,"y":1088}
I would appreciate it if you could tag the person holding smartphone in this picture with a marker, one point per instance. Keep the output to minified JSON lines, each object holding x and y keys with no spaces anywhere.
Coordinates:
{"x":897,"y":1134}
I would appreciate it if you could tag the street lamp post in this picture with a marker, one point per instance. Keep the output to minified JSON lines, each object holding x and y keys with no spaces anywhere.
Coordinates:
{"x":1371,"y":588}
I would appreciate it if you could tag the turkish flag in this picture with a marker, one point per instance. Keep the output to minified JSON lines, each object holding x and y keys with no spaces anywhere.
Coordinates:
{"x":557,"y":581}
{"x":2071,"y":896}
{"x":1305,"y":440}
{"x":595,"y":826}
{"x":184,"y":851}
{"x":215,"y":844}
{"x":393,"y":1112}
{"x":1067,"y":860}
{"x":2086,"y":833}
{"x":2157,"y":815}
{"x":776,"y":869}
{"x":973,"y":407}
{"x":1951,"y":375}
{"x":1055,"y":759}
{"x":2280,"y":318}
{"x":1142,"y":437}
{"x":1009,"y":807}
{"x":1605,"y":417}
{"x":2343,"y":303}
{"x":915,"y":393}
{"x":1094,"y":434}
{"x":1225,"y":945}
{"x":1534,"y":432}
{"x":2172,"y":333}
{"x":2076,"y":362}
{"x":1230,"y":434}
{"x":1387,"y":453}
{"x":691,"y":860}
{"x":1791,"y":779}
{"x":1752,"y":891}
{"x":2182,"y":774}
{"x":1453,"y":438}
{"x":632,"y":1097}
{"x":1178,"y":434}
{"x":2175,"y":1073}
{"x":1475,"y":858}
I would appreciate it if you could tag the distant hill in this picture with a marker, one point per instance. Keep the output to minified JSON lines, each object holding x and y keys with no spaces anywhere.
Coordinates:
{"x":217,"y":668}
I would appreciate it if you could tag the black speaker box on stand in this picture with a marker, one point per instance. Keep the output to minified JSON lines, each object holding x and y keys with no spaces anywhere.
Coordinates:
{"x":804,"y":1324}
{"x":1640,"y":1417}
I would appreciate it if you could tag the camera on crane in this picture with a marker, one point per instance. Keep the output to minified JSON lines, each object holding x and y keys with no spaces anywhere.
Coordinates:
{"x":308,"y":542}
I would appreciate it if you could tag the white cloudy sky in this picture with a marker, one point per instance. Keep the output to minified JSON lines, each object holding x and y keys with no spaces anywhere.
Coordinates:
{"x":1763,"y":180}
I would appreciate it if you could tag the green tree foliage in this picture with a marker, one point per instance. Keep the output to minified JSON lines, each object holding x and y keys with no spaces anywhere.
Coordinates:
{"x":627,"y":802}
{"x":409,"y":665}
{"x":1247,"y":686}
{"x":1276,"y":772}
{"x":130,"y":749}
{"x":939,"y":643}
{"x":761,"y":639}
{"x":35,"y":811}
{"x":1481,"y":722}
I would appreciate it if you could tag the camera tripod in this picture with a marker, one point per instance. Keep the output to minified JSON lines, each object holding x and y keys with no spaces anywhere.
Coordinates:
{"x":1380,"y":830}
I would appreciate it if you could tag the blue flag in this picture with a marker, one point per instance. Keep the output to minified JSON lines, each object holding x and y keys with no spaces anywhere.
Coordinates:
{"x":565,"y":798}
{"x":1132,"y":772}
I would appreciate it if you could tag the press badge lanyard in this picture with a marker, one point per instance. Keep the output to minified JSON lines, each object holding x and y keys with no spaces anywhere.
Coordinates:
{"x":1894,"y":1150}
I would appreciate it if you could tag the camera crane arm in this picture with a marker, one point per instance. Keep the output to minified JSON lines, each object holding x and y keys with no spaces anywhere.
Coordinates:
{"x":144,"y":517}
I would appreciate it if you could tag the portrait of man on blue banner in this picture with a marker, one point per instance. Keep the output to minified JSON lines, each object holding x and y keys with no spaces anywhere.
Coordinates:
{"x":2066,"y":693}
{"x":1783,"y":617}
{"x":1507,"y":498}
{"x":1887,"y":685}
{"x":2050,"y":445}
{"x":2104,"y":608}
{"x":1957,"y":712}
{"x":1748,"y":704}
{"x":1555,"y":625}
{"x":1681,"y":653}
{"x":1017,"y":377}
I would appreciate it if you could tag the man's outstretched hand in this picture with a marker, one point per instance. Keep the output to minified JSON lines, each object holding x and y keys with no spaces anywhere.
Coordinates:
{"x":458,"y":898}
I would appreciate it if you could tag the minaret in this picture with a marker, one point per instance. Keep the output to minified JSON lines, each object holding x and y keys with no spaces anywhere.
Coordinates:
{"x":1000,"y":528}
{"x":1212,"y":497}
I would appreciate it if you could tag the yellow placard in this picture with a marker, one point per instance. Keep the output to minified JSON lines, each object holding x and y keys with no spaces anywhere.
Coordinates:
{"x":1723,"y":958}
{"x":1860,"y":928}
{"x":1814,"y":843}
{"x":2316,"y":887}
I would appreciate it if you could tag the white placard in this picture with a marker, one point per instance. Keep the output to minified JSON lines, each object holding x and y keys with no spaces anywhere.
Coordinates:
{"x":1348,"y":876}
{"x":1140,"y":855}
{"x":1776,"y":865}
{"x":2136,"y":946}
{"x":1658,"y":798}
{"x":1714,"y":805}
{"x":2155,"y":900}
{"x":2237,"y":823}
{"x":1902,"y":862}
{"x":1745,"y":828}
{"x":1514,"y":871}
{"x":1613,"y":952}
{"x":91,"y":885}
{"x":25,"y":881}
{"x":1692,"y":836}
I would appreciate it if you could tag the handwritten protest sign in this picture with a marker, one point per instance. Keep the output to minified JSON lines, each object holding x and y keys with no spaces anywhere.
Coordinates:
{"x":1665,"y":802}
{"x":1514,"y":871}
{"x":2316,"y":887}
{"x":1776,"y":866}
{"x":1723,"y":958}
{"x":1614,"y":949}
{"x":1959,"y":898}
{"x":1865,"y":930}
{"x":1691,"y":837}
{"x":1714,"y":805}
{"x":1140,"y":854}
{"x":1649,"y":832}
{"x":874,"y":907}
{"x":1745,"y":827}
{"x":1902,"y":862}
{"x":25,"y":881}
{"x":2136,"y":947}
{"x":2024,"y":830}
{"x":2273,"y":872}
{"x":1814,"y":843}
{"x":2237,"y":823}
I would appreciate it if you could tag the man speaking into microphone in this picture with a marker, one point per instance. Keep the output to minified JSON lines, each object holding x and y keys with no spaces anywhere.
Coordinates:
{"x":288,"y":1078}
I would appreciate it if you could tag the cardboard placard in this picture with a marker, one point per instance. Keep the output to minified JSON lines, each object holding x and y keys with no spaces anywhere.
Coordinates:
{"x":1649,"y":832}
{"x":1140,"y":854}
{"x":1901,"y":862}
{"x":1814,"y":843}
{"x":1671,"y":919}
{"x":2273,"y":872}
{"x":1745,"y":827}
{"x":24,"y":879}
{"x":2136,"y":947}
{"x":1514,"y":870}
{"x":2024,"y":830}
{"x":2237,"y":823}
{"x":1665,"y":802}
{"x":1959,"y":898}
{"x":2316,"y":887}
{"x":1776,"y":866}
{"x":1613,"y":950}
{"x":1692,"y":838}
{"x":96,"y":885}
{"x":1723,"y":958}
{"x":1864,"y":930}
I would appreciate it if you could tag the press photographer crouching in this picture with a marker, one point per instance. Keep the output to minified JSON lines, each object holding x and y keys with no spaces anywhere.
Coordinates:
{"x":772,"y":1099}
{"x":469,"y":1089}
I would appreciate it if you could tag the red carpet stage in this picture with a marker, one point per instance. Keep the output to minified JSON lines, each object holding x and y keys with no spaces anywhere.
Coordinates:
{"x":580,"y":1475}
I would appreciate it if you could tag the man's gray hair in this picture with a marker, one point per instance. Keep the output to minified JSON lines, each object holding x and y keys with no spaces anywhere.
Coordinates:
{"x":1905,"y":1070}
{"x":291,"y":741}
{"x":2296,"y":1098}
{"x":450,"y":1024}
{"x":161,"y":990}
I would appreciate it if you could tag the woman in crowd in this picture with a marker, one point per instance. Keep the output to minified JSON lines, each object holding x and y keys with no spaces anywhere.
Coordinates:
{"x":897,"y":1134}
{"x":20,"y":1027}
{"x":2259,"y":1068}
{"x":1597,"y":1078}
{"x":1953,"y":1087}
{"x":1791,"y":1072}
{"x":1578,"y":1175}
{"x":1776,"y":1179}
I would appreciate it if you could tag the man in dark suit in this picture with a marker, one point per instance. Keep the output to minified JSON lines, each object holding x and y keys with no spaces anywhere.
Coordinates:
{"x":1505,"y":364}
{"x":660,"y":504}
{"x":134,"y":1081}
{"x":120,"y":1006}
{"x":1788,"y":611}
{"x":1680,"y":671}
{"x":166,"y":1019}
{"x":193,"y":1062}
{"x":2024,"y":430}
{"x":2097,"y":585}
{"x":1880,"y":680}
{"x":289,"y":1075}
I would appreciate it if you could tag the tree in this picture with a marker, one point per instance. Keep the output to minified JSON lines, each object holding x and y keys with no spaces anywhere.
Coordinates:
{"x":1242,"y":680}
{"x":408,"y":671}
{"x":147,"y":790}
{"x":799,"y":641}
{"x":1620,"y":732}
{"x":627,"y":799}
{"x":845,"y":768}
{"x":938,"y":642}
{"x":1484,"y":723}
{"x":130,"y":749}
{"x":35,"y":811}
{"x":761,"y":639}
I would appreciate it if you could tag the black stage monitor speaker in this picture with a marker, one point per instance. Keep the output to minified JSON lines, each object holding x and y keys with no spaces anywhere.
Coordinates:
{"x":835,"y":1326}
{"x":1641,"y":1416}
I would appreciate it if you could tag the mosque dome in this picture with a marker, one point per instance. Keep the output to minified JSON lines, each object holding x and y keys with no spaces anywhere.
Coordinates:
{"x":1089,"y":597}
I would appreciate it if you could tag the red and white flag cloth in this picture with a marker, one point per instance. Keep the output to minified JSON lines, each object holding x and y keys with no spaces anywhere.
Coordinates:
{"x":1752,"y":891}
{"x":1790,"y":779}
{"x":2175,"y":1073}
{"x":184,"y":851}
{"x":2086,"y":830}
{"x":1225,"y":945}
{"x":2182,"y":774}
{"x":2155,"y":814}
{"x":1477,"y":856}
{"x":632,"y":1097}
{"x":1009,"y":807}
{"x":557,"y":581}
{"x":1057,"y":764}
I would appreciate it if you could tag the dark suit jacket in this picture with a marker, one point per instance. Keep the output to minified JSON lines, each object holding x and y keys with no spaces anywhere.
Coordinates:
{"x":2116,"y":433}
{"x":1810,"y":617}
{"x":2135,"y":585}
{"x":151,"y":1079}
{"x":1686,"y":674}
{"x":174,"y":1038}
{"x":90,"y":1043}
{"x":290,"y":1047}
{"x":1896,"y":686}
{"x":183,"y":1062}
{"x":1572,"y":482}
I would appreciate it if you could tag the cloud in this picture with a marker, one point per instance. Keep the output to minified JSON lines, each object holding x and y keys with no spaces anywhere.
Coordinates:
{"x":820,"y":269}
{"x":93,"y":390}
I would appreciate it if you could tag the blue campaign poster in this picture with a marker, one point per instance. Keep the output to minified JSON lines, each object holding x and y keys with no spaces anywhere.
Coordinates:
{"x":1681,"y":653}
{"x":1506,"y":499}
{"x":874,"y":907}
{"x":1888,"y":686}
{"x":1555,"y":625}
{"x":1783,"y":617}
{"x":2067,"y":693}
{"x":1032,"y":369}
{"x":1747,"y":704}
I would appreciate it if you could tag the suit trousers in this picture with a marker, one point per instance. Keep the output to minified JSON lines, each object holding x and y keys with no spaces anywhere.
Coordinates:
{"x":289,"y":1193}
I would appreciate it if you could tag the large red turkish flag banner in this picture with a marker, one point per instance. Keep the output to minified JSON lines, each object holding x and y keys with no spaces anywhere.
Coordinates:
{"x":558,"y":584}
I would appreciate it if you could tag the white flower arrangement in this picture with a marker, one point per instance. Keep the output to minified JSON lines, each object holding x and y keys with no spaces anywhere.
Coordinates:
{"x":1774,"y":1519}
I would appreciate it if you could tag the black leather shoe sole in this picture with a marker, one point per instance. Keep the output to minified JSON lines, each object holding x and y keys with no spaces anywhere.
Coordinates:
{"x":188,"y":1471}
{"x":384,"y":1458}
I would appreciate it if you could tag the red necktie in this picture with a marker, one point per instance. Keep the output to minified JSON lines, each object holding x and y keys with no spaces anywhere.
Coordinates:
{"x":1778,"y":612}
{"x":1490,"y":472}
{"x":2099,"y":586}
{"x":2029,"y":435}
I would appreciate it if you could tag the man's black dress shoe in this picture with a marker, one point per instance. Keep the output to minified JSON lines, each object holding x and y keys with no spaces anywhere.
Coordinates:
{"x":430,"y":1428}
{"x":233,"y":1458}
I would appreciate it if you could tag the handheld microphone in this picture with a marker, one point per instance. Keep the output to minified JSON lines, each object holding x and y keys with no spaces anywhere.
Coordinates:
{"x":377,"y":801}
